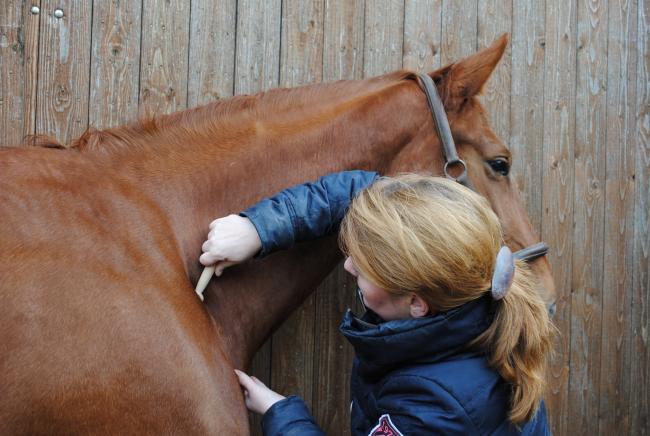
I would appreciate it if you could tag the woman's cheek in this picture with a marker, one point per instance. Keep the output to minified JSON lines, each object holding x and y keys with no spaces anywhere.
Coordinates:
{"x":373,"y":300}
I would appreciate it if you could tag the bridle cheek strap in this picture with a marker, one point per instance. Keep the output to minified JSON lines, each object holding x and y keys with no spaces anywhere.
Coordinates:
{"x":441,"y":123}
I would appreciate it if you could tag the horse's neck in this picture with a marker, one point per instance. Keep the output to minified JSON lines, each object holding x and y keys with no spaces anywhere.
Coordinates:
{"x":216,"y":171}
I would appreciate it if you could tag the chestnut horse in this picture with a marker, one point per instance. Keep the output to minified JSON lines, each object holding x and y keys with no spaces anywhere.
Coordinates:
{"x":101,"y":331}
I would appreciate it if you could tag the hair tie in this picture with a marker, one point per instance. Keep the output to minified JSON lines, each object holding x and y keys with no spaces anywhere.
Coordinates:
{"x":504,"y":273}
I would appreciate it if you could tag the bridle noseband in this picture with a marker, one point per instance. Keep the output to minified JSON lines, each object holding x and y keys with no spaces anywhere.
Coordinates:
{"x":452,"y":159}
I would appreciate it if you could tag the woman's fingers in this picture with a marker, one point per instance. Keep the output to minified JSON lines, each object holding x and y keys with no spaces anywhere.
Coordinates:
{"x":257,"y":381}
{"x":245,"y":380}
{"x":259,"y":398}
{"x":221,"y":266}
{"x":208,"y":259}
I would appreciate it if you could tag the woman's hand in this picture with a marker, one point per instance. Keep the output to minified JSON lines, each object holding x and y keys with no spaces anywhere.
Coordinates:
{"x":258,"y":397}
{"x":232,"y":239}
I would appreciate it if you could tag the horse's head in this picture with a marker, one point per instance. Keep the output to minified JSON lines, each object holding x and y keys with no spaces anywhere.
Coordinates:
{"x":487,"y":157}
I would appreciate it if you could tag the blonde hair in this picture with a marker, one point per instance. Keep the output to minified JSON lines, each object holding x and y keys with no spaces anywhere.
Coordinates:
{"x":435,"y":238}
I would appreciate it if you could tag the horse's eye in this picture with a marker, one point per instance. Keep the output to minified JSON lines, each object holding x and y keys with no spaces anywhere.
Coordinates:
{"x":500,"y":166}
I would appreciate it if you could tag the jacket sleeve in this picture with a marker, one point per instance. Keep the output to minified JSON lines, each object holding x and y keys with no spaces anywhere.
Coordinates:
{"x":306,"y":211}
{"x":419,"y":406}
{"x":290,"y":417}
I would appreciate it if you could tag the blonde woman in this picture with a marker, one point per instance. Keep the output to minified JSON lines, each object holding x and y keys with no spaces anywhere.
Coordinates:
{"x":455,"y":338}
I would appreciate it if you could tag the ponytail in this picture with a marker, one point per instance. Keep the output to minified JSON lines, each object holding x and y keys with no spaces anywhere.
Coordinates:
{"x":519,"y":341}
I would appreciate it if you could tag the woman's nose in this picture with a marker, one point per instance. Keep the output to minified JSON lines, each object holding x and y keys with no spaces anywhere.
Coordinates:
{"x":349,"y":266}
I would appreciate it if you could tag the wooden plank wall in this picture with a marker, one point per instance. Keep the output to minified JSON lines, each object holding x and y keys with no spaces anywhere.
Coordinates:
{"x":571,"y":98}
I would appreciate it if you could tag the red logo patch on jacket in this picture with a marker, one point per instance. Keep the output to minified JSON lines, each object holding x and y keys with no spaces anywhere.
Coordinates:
{"x":385,"y":427}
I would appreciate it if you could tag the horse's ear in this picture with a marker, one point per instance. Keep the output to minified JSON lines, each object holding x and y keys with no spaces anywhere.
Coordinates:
{"x":465,"y":78}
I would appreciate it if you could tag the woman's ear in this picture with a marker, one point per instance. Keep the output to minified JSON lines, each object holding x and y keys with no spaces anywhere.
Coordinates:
{"x":419,"y":307}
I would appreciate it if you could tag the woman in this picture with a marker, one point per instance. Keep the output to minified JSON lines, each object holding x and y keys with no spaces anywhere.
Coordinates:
{"x":455,"y":338}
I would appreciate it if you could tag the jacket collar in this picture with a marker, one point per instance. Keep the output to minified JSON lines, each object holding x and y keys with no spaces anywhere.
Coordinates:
{"x":381,"y":346}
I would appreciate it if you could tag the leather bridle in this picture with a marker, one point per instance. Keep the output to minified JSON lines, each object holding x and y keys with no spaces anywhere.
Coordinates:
{"x":452,"y":159}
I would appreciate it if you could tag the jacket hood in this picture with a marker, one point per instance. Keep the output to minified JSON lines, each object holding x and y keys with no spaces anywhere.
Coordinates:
{"x":381,"y":346}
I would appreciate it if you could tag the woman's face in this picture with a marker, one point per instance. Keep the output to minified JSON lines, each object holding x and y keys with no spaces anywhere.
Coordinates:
{"x":388,"y":306}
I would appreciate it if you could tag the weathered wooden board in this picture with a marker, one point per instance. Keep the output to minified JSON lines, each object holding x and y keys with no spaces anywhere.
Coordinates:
{"x":19,"y":29}
{"x":63,"y":69}
{"x":115,"y":66}
{"x":558,"y":186}
{"x":618,"y":252}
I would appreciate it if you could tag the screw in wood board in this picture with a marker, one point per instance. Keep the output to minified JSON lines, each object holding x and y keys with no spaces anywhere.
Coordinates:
{"x":58,"y":13}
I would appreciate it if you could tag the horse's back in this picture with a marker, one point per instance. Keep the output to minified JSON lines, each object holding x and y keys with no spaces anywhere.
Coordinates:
{"x":100,"y":331}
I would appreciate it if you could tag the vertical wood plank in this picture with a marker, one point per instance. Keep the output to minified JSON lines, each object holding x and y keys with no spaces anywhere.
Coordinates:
{"x":459,"y":29}
{"x":342,"y":59}
{"x":257,"y":63}
{"x":163,"y":61}
{"x":588,"y":216}
{"x":619,"y":225}
{"x":114,"y":70}
{"x":212,"y":51}
{"x":558,"y":187}
{"x":257,"y":68}
{"x":422,"y":33}
{"x":495,"y":19}
{"x":63,"y":72}
{"x":292,"y":367}
{"x":18,"y":68}
{"x":302,"y":42}
{"x":527,"y":113}
{"x":334,"y":354}
{"x":343,"y":40}
{"x":384,"y":37}
{"x":640,"y":369}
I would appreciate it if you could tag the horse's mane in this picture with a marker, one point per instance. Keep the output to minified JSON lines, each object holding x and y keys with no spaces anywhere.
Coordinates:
{"x":223,"y":116}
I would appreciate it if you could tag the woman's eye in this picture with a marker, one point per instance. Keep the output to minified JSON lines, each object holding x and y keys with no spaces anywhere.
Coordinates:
{"x":500,"y":166}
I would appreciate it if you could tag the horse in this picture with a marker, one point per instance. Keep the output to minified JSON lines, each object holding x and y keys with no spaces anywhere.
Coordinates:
{"x":101,"y":331}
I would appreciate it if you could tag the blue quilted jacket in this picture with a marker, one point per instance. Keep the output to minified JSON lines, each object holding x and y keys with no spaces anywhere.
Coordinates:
{"x":411,"y":376}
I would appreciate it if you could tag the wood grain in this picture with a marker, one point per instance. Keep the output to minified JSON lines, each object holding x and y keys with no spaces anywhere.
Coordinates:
{"x":63,"y":70}
{"x":618,"y":254}
{"x":212,"y":51}
{"x":257,"y":63}
{"x":114,"y":69}
{"x":384,"y":37}
{"x":558,"y":187}
{"x":422,"y":34}
{"x":459,"y":29}
{"x":343,"y":40}
{"x":528,"y":47}
{"x":19,"y":30}
{"x":640,"y":353}
{"x":588,"y":211}
{"x":164,"y":57}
